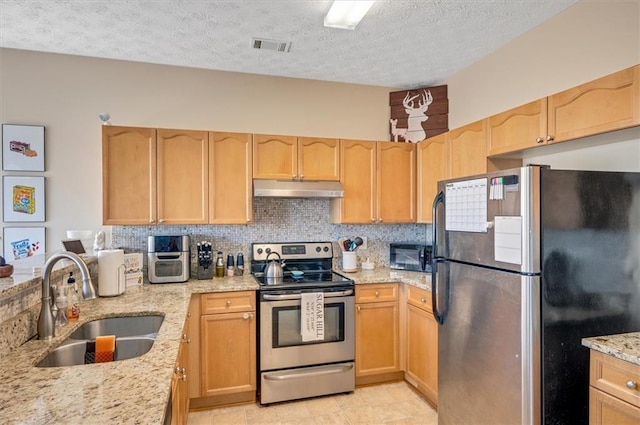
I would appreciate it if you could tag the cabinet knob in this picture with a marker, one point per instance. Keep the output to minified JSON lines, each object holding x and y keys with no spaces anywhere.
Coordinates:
{"x":177,"y":370}
{"x":358,"y":307}
{"x":422,"y":300}
{"x":539,"y":140}
{"x":151,"y":221}
{"x":228,"y":303}
{"x":373,"y":220}
{"x":248,"y":220}
{"x":632,"y":385}
{"x":301,"y":176}
{"x":377,"y":294}
{"x":379,"y":220}
{"x":293,"y":176}
{"x":549,"y":138}
{"x":184,"y":377}
{"x":161,"y":220}
{"x":188,"y":314}
{"x":247,"y":316}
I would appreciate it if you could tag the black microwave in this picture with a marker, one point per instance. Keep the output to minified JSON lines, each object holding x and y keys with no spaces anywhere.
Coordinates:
{"x":410,"y":257}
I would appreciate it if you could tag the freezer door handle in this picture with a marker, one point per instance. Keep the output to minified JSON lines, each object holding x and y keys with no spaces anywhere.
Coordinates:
{"x":439,"y":199}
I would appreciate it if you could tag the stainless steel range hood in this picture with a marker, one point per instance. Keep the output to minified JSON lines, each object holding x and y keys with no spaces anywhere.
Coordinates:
{"x":297,"y":189}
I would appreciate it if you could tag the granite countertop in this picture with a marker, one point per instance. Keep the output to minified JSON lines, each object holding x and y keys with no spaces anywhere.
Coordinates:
{"x":387,"y":275}
{"x":622,"y":346}
{"x":129,"y":391}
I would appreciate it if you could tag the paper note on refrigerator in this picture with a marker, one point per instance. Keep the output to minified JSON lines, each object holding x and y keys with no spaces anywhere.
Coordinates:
{"x":508,"y":239}
{"x":466,"y":206}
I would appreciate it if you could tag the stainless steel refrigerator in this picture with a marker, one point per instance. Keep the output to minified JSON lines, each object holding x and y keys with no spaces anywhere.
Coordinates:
{"x":527,"y":262}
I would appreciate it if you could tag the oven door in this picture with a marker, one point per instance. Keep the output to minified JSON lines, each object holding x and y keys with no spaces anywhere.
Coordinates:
{"x":281,"y":344}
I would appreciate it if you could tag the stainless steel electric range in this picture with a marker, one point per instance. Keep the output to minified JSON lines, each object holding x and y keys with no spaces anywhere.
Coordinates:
{"x":292,"y":363}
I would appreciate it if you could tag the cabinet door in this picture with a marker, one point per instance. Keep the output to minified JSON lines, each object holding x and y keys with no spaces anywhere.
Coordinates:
{"x":358,"y":169}
{"x":606,"y":104}
{"x":318,"y":159}
{"x":275,"y":157}
{"x":422,"y":351}
{"x":228,"y":355}
{"x":179,"y":390}
{"x":377,"y":338}
{"x":183,"y":176}
{"x":128,"y":175}
{"x":608,"y":410}
{"x":468,"y":150}
{"x":396,"y":185}
{"x":230,"y":178}
{"x":433,"y":166}
{"x":518,"y":128}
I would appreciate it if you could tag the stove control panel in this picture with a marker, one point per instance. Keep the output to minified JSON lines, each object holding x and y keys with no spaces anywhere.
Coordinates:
{"x":292,"y":250}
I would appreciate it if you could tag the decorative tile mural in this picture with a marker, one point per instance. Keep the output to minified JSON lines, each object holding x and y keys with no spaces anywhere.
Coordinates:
{"x":279,"y":220}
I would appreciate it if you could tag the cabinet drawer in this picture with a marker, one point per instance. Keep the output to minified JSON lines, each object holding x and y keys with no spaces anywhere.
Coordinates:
{"x":420,"y":298}
{"x":376,"y":293}
{"x":607,"y":410}
{"x":227,"y":302}
{"x":615,"y":376}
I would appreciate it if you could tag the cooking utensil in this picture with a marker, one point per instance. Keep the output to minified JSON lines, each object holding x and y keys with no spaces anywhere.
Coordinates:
{"x":357,"y":242}
{"x":341,"y":243}
{"x":347,"y":245}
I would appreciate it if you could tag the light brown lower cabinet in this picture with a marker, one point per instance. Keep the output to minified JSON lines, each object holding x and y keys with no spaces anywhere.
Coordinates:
{"x":614,"y":394}
{"x":179,"y":382}
{"x":421,"y":369}
{"x":227,"y":348}
{"x":377,"y":333}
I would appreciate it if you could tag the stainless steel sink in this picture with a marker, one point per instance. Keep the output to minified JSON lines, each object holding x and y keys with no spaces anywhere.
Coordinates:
{"x":71,"y":352}
{"x":119,"y":326}
{"x":135,"y":336}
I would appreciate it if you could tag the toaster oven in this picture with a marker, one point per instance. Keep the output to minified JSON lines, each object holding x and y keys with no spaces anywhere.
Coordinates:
{"x":169,"y":259}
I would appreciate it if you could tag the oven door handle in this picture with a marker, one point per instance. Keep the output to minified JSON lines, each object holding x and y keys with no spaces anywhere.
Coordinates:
{"x":298,"y":296}
{"x":300,"y":375}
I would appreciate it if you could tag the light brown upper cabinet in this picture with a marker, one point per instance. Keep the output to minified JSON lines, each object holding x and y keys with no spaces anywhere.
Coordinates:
{"x":154,"y":176}
{"x":358,"y":165}
{"x":379,"y":183}
{"x":468,"y":150}
{"x":183,"y":176}
{"x":518,"y":128}
{"x":230,"y":178}
{"x":129,"y":181}
{"x":293,"y":158}
{"x":396,"y":182}
{"x":606,"y":104}
{"x":432,"y":166}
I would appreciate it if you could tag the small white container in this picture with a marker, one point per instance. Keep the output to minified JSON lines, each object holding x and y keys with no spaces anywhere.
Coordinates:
{"x":349,"y":261}
{"x":367,"y":265}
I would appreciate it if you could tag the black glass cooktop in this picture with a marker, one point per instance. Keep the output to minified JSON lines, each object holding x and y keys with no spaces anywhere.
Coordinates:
{"x":306,"y":280}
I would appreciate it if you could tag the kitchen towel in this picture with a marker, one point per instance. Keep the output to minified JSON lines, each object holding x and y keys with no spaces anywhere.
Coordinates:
{"x":312,"y":316}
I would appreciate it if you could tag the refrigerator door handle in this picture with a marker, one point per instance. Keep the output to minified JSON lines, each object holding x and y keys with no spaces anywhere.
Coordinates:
{"x":439,"y":199}
{"x":434,"y":291}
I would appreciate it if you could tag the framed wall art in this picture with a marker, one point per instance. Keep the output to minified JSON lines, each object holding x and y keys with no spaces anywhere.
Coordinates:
{"x":22,"y":147}
{"x":23,"y":242}
{"x":23,"y":198}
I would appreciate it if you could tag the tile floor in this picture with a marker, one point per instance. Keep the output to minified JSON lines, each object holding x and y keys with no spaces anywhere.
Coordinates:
{"x":390,"y":404}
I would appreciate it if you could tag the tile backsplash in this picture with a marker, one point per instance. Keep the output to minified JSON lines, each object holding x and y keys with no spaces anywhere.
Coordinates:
{"x":280,"y":220}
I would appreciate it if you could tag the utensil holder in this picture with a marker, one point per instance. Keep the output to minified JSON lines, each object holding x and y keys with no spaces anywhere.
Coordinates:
{"x":349,"y":261}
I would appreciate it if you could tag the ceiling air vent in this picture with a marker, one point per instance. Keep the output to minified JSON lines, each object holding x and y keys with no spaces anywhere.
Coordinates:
{"x":275,"y":45}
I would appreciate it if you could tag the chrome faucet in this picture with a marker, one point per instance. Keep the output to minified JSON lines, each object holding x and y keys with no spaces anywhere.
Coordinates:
{"x":46,"y":321}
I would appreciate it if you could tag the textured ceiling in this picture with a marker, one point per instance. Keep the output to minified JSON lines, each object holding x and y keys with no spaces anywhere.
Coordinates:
{"x":401,"y":44}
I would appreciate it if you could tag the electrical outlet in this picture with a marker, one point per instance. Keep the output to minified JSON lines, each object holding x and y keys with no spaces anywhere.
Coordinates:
{"x":364,"y":243}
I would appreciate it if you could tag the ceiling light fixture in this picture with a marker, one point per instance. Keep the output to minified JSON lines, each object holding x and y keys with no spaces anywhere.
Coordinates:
{"x":346,"y":14}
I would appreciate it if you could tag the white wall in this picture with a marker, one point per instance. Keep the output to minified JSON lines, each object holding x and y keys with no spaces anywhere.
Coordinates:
{"x":66,"y":94}
{"x":586,"y":41}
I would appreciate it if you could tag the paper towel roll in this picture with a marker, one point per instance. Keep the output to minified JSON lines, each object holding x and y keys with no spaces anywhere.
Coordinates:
{"x":111,"y":281}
